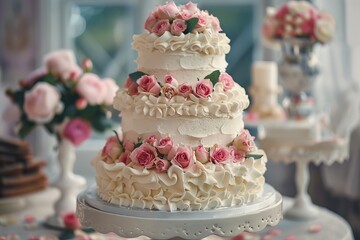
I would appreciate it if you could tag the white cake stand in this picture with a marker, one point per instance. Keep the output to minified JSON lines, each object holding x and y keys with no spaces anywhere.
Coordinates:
{"x":129,"y":223}
{"x":324,"y":150}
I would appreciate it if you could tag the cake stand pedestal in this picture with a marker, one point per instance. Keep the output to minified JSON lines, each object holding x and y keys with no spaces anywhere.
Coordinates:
{"x":129,"y":223}
{"x":325,"y":150}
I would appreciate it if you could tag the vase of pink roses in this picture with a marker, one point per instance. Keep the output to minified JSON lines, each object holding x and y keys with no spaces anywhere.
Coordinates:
{"x":69,"y":102}
{"x":298,"y":27}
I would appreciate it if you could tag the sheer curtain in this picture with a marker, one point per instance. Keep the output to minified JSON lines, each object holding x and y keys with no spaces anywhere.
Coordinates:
{"x":337,"y":93}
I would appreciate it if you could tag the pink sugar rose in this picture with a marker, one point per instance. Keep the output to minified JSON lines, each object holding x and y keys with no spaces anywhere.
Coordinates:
{"x":244,"y":141}
{"x":203,"y":19}
{"x":227,"y":81}
{"x":170,"y":80}
{"x":165,"y":145}
{"x":191,"y":7}
{"x":150,"y":22}
{"x":129,"y":145}
{"x":148,"y":84}
{"x":201,"y":154}
{"x":236,"y":155}
{"x":62,"y":63}
{"x":169,"y":10}
{"x":185,"y":15}
{"x":124,"y":157}
{"x":178,"y":26}
{"x":112,"y":149}
{"x":162,"y":165}
{"x":203,"y":88}
{"x":168,"y":90}
{"x":71,"y":221}
{"x":184,"y":90}
{"x":183,"y":158}
{"x":151,"y":140}
{"x":144,"y":155}
{"x":111,"y":89}
{"x":219,"y":154}
{"x":91,"y":88}
{"x":77,"y":131}
{"x":161,"y":27}
{"x":42,"y":102}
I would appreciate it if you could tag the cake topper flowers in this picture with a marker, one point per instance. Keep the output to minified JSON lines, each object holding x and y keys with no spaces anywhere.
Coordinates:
{"x":66,"y":99}
{"x":180,"y":20}
{"x":298,"y":19}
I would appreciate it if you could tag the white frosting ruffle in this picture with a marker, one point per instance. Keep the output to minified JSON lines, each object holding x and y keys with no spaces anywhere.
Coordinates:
{"x":208,"y":42}
{"x":205,"y":186}
{"x":221,"y":104}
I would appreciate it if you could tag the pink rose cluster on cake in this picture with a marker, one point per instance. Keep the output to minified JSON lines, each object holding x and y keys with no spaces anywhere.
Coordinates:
{"x":183,"y":145}
{"x":298,"y":19}
{"x":180,"y":19}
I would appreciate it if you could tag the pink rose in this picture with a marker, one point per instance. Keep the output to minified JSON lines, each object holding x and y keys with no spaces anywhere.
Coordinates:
{"x":203,"y":88}
{"x":42,"y":102}
{"x":162,"y":165}
{"x":62,"y":63}
{"x":71,"y":221}
{"x":168,"y":91}
{"x":236,"y":155}
{"x":112,"y":149}
{"x":307,"y":26}
{"x":91,"y":88}
{"x":148,"y":84}
{"x":170,"y":80}
{"x":161,"y":27}
{"x":203,"y":19}
{"x":178,"y":26}
{"x":201,"y":154}
{"x":219,"y":154}
{"x":269,"y":28}
{"x":129,"y":145}
{"x":282,"y":12}
{"x":87,"y":64}
{"x":144,"y":155}
{"x":191,"y":7}
{"x":215,"y":24}
{"x":124,"y":157}
{"x":33,"y":77}
{"x":150,"y":22}
{"x":183,"y":158}
{"x":244,"y":141}
{"x":81,"y":103}
{"x":227,"y":81}
{"x":185,"y":15}
{"x":184,"y":89}
{"x":77,"y":131}
{"x":111,"y":89}
{"x":133,"y":88}
{"x":151,"y":140}
{"x":168,"y":10}
{"x":165,"y":145}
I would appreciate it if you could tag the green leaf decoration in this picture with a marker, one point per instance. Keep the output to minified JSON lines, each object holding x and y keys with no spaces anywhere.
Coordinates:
{"x":88,"y":230}
{"x":138,"y":143}
{"x":255,"y":156}
{"x":136,"y":75}
{"x":214,"y":77}
{"x":117,"y":136}
{"x":191,"y":24}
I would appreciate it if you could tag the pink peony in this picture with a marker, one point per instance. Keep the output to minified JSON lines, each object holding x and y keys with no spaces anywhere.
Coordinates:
{"x":165,"y":145}
{"x":111,"y":89}
{"x":236,"y":155}
{"x":244,"y":141}
{"x":169,"y":10}
{"x":219,"y":154}
{"x":144,"y":155}
{"x":62,"y":63}
{"x":183,"y":158}
{"x":184,"y":89}
{"x":162,"y":165}
{"x":201,"y":154}
{"x":124,"y":157}
{"x":161,"y":27}
{"x":148,"y":84}
{"x":227,"y":81}
{"x":42,"y":102}
{"x":129,"y":145}
{"x":91,"y":88}
{"x":151,"y":140}
{"x":150,"y":22}
{"x":71,"y":221}
{"x":178,"y":26}
{"x":170,"y":80}
{"x":168,"y":90}
{"x":77,"y":131}
{"x":203,"y":88}
{"x":112,"y":149}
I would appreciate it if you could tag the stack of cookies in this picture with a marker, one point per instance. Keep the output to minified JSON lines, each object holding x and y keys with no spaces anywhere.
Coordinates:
{"x":19,"y":172}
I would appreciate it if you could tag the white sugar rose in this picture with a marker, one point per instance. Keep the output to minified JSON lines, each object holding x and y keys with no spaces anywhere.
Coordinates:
{"x":42,"y":103}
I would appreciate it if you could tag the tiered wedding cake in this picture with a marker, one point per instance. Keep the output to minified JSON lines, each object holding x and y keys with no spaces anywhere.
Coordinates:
{"x":183,"y":144}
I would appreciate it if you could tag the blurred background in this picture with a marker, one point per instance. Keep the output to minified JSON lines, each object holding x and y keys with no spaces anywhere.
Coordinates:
{"x":103,"y":30}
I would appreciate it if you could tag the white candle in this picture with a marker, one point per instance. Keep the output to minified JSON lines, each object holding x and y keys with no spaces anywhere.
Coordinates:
{"x":265,"y":75}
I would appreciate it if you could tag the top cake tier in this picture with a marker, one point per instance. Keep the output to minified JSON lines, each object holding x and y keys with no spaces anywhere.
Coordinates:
{"x":183,"y":41}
